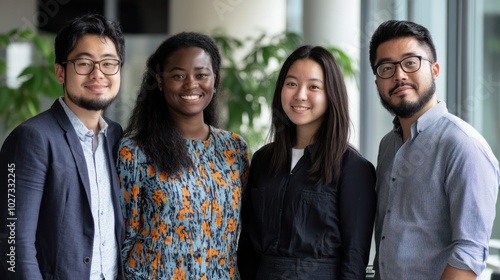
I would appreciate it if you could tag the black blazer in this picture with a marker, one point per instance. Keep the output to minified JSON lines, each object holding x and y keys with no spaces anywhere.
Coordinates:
{"x":54,"y":229}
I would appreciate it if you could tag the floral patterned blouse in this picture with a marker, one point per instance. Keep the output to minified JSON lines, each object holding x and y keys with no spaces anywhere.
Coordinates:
{"x":184,"y":225}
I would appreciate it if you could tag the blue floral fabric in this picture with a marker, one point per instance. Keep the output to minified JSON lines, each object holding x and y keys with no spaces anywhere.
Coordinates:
{"x":184,"y":225}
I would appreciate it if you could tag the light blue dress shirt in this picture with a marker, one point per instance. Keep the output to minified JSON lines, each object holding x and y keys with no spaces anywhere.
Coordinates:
{"x":436,"y":198}
{"x":105,"y":249}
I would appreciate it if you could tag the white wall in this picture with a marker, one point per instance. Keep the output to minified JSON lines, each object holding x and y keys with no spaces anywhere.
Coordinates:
{"x":17,"y":14}
{"x":237,"y":17}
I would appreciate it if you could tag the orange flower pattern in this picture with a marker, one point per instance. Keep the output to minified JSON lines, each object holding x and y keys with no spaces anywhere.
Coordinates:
{"x":184,"y":225}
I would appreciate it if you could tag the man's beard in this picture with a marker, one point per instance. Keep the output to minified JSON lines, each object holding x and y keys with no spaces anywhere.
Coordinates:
{"x":407,"y":109}
{"x":92,"y":105}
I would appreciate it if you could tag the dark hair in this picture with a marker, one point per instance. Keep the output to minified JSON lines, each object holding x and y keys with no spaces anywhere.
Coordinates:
{"x":331,"y":139}
{"x":393,"y":29}
{"x":151,"y":126}
{"x":93,"y":24}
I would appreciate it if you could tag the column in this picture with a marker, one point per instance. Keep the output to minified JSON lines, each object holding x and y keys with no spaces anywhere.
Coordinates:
{"x":337,"y":23}
{"x":236,"y":17}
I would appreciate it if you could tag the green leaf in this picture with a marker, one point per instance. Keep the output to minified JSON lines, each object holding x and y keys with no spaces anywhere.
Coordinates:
{"x":267,"y":54}
{"x":4,"y":39}
{"x":27,"y":72}
{"x":52,"y":88}
{"x":38,"y":74}
{"x":5,"y":98}
{"x":32,"y":107}
{"x":12,"y":33}
{"x":3,"y":66}
{"x":26,"y":34}
{"x":42,"y":46}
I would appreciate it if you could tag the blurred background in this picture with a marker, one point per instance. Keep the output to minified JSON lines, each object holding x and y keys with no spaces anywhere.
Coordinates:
{"x":255,"y":36}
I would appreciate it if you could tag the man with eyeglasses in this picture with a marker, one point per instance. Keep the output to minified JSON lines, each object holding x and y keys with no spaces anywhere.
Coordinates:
{"x":437,"y":178}
{"x":64,"y":219}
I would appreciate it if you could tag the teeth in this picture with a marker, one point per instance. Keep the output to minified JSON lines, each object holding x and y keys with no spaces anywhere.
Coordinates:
{"x":299,"y":108}
{"x":190,"y":97}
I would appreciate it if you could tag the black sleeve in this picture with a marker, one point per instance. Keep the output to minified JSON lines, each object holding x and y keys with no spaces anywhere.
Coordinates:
{"x":248,"y":258}
{"x":357,"y":204}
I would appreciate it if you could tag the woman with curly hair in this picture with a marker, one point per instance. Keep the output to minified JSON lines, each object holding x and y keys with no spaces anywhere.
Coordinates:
{"x":181,"y":176}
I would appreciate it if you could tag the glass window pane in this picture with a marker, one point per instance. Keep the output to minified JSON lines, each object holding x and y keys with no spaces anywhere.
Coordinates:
{"x":487,"y":99}
{"x":484,"y":101}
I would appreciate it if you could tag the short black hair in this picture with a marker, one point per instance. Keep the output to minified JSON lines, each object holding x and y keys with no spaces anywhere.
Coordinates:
{"x":393,"y":29}
{"x":93,"y":24}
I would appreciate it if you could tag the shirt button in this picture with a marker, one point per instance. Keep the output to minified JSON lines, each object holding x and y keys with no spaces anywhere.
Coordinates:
{"x":388,"y":211}
{"x":383,"y":237}
{"x":393,"y":179}
{"x":86,"y":260}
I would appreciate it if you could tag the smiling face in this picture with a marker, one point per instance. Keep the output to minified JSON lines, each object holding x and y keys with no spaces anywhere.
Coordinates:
{"x":406,"y":94}
{"x":303,"y":95}
{"x":188,"y":82}
{"x":94,"y":91}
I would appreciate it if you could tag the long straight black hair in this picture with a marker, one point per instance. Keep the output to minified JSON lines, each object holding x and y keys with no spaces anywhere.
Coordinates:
{"x":331,"y":139}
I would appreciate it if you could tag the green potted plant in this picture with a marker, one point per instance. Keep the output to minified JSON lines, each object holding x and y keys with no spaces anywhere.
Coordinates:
{"x":20,"y":102}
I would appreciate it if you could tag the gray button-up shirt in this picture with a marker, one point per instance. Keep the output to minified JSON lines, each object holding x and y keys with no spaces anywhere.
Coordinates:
{"x":436,"y":198}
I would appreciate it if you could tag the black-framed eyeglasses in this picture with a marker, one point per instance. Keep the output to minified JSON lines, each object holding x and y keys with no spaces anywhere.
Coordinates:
{"x":410,"y":64}
{"x":85,"y":66}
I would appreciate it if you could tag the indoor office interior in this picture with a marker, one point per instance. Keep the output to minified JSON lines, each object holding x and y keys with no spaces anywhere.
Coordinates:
{"x":466,"y":34}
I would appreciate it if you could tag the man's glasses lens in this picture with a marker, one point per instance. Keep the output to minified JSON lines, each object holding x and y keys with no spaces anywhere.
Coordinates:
{"x":85,"y":66}
{"x":409,"y":65}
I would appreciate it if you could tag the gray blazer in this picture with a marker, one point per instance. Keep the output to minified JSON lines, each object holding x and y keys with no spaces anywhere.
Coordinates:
{"x":54,"y":229}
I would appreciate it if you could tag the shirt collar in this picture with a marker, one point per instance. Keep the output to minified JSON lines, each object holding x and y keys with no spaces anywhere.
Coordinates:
{"x":424,"y":121}
{"x":81,"y":130}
